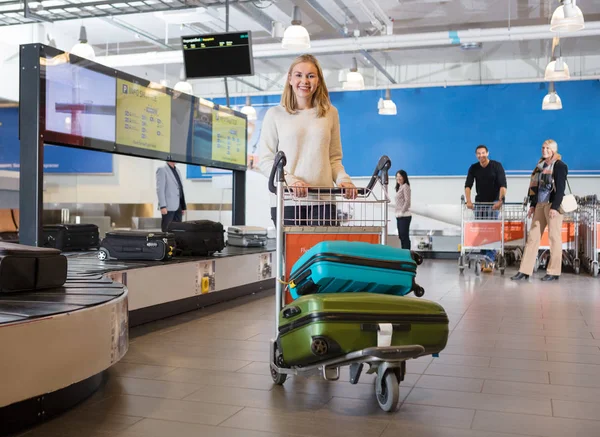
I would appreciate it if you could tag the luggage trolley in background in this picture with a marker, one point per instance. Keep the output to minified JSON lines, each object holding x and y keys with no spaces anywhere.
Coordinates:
{"x":570,"y":244}
{"x":483,"y":229}
{"x":590,"y":246}
{"x":362,"y":219}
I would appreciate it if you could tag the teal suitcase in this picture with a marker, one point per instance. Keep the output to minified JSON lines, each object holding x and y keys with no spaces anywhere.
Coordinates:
{"x":353,"y":266}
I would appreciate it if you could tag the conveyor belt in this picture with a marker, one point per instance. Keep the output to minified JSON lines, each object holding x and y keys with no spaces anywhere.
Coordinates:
{"x":88,"y":262}
{"x":87,"y":286}
{"x":76,"y":294}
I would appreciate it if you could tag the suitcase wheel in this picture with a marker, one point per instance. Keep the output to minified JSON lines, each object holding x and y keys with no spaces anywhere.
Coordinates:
{"x":419,"y":291}
{"x":319,"y":346}
{"x":102,"y":254}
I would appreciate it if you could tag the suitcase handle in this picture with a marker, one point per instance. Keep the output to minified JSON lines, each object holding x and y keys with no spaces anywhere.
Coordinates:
{"x":374,"y":327}
{"x":380,"y":173}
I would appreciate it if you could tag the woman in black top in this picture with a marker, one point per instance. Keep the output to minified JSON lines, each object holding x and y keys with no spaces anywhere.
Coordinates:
{"x":546,"y":192}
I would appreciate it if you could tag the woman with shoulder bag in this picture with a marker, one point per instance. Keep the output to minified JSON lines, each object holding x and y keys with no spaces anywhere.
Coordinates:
{"x":546,"y":194}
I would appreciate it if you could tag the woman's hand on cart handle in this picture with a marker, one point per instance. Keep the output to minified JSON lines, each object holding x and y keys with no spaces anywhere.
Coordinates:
{"x":349,"y":190}
{"x":470,"y":204}
{"x":300,"y":188}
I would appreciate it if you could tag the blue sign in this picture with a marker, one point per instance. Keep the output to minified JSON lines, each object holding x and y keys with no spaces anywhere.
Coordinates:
{"x":57,"y":159}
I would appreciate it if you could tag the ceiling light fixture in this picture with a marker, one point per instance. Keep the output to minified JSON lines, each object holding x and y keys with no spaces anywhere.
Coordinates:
{"x":387,"y":106}
{"x":567,"y":17}
{"x":552,"y":101}
{"x":354,"y":80}
{"x":183,"y":86}
{"x":296,"y":36}
{"x":557,"y":69}
{"x":249,"y":110}
{"x":82,"y":48}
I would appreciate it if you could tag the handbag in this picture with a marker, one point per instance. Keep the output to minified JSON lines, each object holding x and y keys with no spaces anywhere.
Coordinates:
{"x":569,"y":202}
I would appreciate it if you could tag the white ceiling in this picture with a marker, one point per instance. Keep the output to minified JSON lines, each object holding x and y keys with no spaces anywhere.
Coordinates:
{"x":409,"y":17}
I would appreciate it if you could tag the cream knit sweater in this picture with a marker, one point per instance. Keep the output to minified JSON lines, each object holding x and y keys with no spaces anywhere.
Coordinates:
{"x":312,"y":146}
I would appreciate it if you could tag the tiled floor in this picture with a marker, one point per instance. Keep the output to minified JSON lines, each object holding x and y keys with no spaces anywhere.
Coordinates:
{"x":522,"y":359}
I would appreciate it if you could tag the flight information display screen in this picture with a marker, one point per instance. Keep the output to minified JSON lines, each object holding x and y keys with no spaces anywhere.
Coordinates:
{"x":228,"y":138}
{"x":182,"y":112}
{"x":143,"y":117}
{"x":79,"y":102}
{"x":91,"y":106}
{"x":218,"y":55}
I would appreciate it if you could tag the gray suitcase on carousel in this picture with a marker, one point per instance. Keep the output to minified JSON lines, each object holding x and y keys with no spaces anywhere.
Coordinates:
{"x":247,"y":236}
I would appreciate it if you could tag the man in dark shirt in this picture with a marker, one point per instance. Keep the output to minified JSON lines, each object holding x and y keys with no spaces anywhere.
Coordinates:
{"x":489,"y":178}
{"x":490,"y":182}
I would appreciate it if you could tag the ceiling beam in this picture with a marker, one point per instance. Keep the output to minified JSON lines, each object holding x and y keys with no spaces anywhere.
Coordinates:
{"x":262,"y":19}
{"x":142,"y":33}
{"x":315,"y":16}
{"x":245,"y":82}
{"x":333,"y":22}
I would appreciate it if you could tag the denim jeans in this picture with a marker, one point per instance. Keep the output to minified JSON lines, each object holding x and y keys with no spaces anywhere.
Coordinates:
{"x":487,"y":213}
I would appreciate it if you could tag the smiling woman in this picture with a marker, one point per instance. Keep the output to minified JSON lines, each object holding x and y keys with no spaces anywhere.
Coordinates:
{"x":306,"y":127}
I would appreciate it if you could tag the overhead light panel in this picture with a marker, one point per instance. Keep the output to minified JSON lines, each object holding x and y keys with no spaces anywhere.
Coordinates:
{"x":354,"y":80}
{"x":387,"y":106}
{"x":249,"y":110}
{"x":552,"y":101}
{"x":296,"y":36}
{"x":197,"y":15}
{"x":567,"y":17}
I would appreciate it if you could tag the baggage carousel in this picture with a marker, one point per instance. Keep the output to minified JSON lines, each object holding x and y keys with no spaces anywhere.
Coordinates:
{"x":57,"y":343}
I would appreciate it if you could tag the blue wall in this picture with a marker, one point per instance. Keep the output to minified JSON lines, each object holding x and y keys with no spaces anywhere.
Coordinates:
{"x":56,"y":159}
{"x":434,"y":134}
{"x":437,"y":130}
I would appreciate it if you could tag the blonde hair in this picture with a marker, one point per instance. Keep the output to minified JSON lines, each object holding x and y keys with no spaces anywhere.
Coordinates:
{"x":320,"y":98}
{"x":551,"y":144}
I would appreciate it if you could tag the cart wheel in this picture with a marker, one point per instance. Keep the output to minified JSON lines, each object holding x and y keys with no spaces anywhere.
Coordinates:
{"x":390,"y":394}
{"x":477,"y":267}
{"x":595,"y":270}
{"x":419,"y":291}
{"x":278,"y":378}
{"x":461,"y":270}
{"x":576,"y":266}
{"x":470,"y":264}
{"x":502,"y":264}
{"x":102,"y":254}
{"x":536,"y":266}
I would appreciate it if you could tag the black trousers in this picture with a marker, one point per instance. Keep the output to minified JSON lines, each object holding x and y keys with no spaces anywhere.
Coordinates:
{"x":170,"y":216}
{"x":403,"y":231}
{"x":307,"y":215}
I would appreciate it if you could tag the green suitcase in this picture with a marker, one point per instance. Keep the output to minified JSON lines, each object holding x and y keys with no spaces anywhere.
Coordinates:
{"x":319,"y":327}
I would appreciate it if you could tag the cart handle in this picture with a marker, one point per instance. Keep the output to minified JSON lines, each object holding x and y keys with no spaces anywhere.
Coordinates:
{"x":380,"y":173}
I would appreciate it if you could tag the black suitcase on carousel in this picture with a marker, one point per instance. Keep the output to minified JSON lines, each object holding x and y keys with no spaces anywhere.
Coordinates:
{"x":71,"y":237}
{"x":29,"y":268}
{"x":198,"y":238}
{"x":137,"y":246}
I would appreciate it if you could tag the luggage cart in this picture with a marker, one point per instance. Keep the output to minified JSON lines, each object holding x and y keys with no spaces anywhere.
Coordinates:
{"x":570,"y":244}
{"x":589,"y":219}
{"x":365,"y":219}
{"x":486,"y":229}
